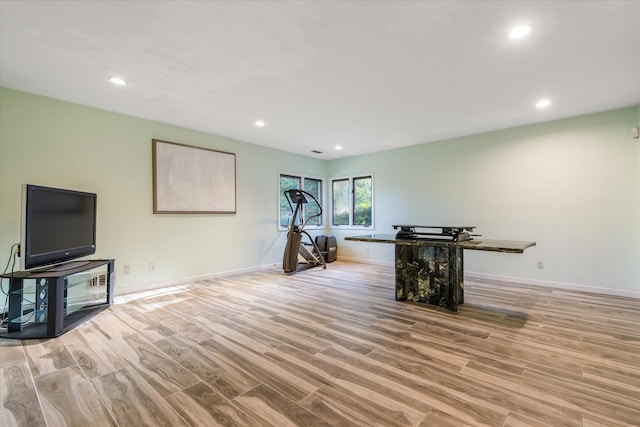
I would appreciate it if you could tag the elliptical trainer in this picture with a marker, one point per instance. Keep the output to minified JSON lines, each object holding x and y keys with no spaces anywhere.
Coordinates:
{"x":296,"y":252}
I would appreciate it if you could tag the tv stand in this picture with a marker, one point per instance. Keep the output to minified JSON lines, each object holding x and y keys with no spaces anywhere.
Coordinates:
{"x":46,"y":304}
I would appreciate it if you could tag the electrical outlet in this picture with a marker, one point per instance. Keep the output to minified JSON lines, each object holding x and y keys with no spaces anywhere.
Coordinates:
{"x":152,"y":267}
{"x":366,"y":249}
{"x":540,"y":265}
{"x":126,"y":269}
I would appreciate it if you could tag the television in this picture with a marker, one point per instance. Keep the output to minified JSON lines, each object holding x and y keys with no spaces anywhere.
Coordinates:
{"x":57,"y":225}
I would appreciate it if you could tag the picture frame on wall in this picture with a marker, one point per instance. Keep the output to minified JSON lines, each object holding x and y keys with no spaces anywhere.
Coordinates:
{"x":194,"y":180}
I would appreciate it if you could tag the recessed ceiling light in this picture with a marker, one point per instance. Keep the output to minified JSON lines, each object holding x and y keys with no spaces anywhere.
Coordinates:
{"x":117,"y":81}
{"x":338,"y":147}
{"x":519,"y":32}
{"x":260,"y":123}
{"x":543,"y":103}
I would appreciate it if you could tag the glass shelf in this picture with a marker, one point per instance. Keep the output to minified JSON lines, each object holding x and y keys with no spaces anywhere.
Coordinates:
{"x":78,"y":293}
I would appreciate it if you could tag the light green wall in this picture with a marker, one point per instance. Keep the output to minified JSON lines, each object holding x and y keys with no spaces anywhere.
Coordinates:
{"x":571,"y":185}
{"x":638,"y":150}
{"x":54,"y":143}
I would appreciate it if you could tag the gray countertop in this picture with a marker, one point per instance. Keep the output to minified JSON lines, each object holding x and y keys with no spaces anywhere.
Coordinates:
{"x":480,"y":244}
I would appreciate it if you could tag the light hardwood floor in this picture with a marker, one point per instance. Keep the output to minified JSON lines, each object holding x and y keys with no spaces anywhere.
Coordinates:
{"x":332,"y":347}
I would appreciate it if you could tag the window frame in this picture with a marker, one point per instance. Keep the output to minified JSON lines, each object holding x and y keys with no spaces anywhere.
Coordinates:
{"x":350,"y":179}
{"x":302,"y":178}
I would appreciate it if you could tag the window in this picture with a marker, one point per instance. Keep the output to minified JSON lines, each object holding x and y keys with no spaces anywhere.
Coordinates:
{"x":313,"y":186}
{"x":362,"y":201}
{"x":340,"y":196}
{"x":352,"y":201}
{"x":308,"y":184}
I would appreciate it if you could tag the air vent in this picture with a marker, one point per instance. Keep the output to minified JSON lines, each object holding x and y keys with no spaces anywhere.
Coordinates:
{"x":316,"y":151}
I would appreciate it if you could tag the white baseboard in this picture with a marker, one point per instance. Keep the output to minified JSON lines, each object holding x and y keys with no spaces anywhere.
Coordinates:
{"x":468,"y":275}
{"x":366,"y":261}
{"x":521,"y":280}
{"x":555,"y":285}
{"x":177,"y":282}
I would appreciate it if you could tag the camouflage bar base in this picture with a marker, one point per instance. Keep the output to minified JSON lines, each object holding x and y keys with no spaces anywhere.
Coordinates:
{"x":431,"y":271}
{"x":430,"y":274}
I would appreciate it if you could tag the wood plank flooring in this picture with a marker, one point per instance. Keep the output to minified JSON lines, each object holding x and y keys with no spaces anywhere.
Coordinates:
{"x":332,"y":348}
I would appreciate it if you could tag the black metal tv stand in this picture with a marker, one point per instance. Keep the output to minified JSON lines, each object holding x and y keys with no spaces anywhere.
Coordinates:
{"x":60,"y":299}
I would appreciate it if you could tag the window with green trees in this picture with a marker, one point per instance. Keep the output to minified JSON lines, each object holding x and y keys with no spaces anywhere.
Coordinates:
{"x":308,"y":184}
{"x":362,"y":201}
{"x":352,"y":201}
{"x":340,"y":191}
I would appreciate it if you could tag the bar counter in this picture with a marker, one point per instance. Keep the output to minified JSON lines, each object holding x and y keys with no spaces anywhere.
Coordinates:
{"x":431,"y":271}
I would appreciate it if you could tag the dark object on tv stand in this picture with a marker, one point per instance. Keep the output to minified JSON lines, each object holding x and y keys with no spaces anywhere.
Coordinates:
{"x":62,"y":267}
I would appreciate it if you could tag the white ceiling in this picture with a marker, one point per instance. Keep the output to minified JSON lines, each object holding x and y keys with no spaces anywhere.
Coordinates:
{"x":366,"y":75}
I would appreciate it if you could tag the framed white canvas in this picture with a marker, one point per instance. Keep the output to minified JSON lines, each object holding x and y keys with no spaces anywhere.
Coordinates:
{"x":188,"y":179}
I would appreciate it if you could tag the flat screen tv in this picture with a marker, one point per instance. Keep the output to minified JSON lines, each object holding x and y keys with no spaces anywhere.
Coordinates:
{"x":57,"y":225}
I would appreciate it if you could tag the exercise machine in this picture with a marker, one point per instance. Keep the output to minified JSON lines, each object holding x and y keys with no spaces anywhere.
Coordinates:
{"x":299,"y":254}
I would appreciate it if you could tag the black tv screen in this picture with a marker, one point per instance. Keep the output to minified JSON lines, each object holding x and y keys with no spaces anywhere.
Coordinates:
{"x":57,"y":225}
